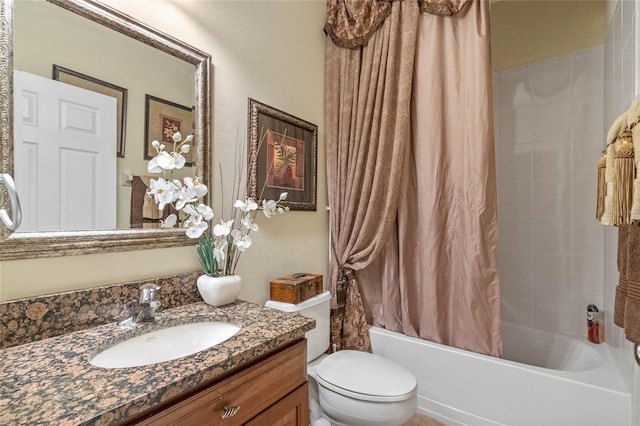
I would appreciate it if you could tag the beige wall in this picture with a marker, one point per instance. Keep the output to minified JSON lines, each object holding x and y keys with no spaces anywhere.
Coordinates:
{"x":270,"y":51}
{"x":525,"y":31}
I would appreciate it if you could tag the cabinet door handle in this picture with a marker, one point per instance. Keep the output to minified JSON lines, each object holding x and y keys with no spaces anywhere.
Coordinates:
{"x":228,"y":412}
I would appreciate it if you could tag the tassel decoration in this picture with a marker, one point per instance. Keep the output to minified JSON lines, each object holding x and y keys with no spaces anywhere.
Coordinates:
{"x":602,"y":185}
{"x":615,"y":130}
{"x":608,"y":179}
{"x":623,"y":176}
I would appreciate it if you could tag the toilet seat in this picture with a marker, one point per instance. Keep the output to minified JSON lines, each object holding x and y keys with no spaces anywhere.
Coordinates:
{"x":365,"y":377}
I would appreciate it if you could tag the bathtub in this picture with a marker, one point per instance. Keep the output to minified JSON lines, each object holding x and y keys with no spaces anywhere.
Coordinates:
{"x":545,"y":379}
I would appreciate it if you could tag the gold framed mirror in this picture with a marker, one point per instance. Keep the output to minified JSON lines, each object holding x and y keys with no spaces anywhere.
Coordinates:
{"x":26,"y":245}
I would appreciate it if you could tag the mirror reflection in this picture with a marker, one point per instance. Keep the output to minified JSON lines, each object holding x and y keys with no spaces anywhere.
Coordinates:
{"x":88,"y":101}
{"x":112,"y":52}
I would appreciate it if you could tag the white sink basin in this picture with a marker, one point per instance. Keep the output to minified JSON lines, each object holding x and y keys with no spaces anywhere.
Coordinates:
{"x":165,"y":344}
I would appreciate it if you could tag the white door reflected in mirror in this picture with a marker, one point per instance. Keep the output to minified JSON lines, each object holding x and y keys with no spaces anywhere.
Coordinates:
{"x":65,"y":168}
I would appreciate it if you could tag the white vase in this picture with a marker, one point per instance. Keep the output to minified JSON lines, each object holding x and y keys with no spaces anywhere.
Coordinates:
{"x":218,"y":291}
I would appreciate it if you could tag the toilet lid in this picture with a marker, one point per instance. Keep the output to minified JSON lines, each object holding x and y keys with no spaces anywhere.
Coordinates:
{"x":365,"y":376}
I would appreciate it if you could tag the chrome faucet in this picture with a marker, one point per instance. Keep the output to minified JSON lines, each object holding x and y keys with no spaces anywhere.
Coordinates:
{"x":148,"y":304}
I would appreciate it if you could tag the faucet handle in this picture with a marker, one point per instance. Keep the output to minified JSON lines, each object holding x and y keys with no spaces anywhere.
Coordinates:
{"x":148,"y":292}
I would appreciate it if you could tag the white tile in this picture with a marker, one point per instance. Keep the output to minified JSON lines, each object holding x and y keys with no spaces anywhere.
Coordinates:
{"x":610,"y":274}
{"x":627,"y":99}
{"x":616,"y":24}
{"x":586,"y":276}
{"x":551,"y":158}
{"x":515,"y":90}
{"x":610,"y":282}
{"x":584,"y":194}
{"x":515,"y":161}
{"x":516,"y":306}
{"x":551,"y":235}
{"x":552,"y":311}
{"x":515,"y":127}
{"x":607,"y":81}
{"x":552,"y":197}
{"x":608,"y":58}
{"x":609,"y":114}
{"x":619,"y":108}
{"x":610,"y":332}
{"x":628,"y":21}
{"x":515,"y":234}
{"x":552,"y":121}
{"x":551,"y":266}
{"x":551,"y":82}
{"x":587,"y":115}
{"x":628,"y":67}
{"x":586,"y":150}
{"x":516,"y":270}
{"x":587,"y":74}
{"x":552,"y":273}
{"x":610,"y":243}
{"x":515,"y":198}
{"x":587,"y":236}
{"x":610,"y":326}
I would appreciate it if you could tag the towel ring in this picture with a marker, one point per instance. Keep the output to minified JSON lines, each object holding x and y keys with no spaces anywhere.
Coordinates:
{"x":11,"y":225}
{"x":636,"y":353}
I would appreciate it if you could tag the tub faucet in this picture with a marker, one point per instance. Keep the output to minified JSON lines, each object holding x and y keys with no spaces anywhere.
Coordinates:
{"x":148,"y":304}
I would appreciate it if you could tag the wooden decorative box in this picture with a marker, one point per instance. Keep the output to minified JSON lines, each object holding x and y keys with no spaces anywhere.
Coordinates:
{"x":296,"y":288}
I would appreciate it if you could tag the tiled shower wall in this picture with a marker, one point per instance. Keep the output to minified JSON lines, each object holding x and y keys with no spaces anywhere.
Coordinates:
{"x":549,"y":137}
{"x":552,"y":117}
{"x":619,"y":89}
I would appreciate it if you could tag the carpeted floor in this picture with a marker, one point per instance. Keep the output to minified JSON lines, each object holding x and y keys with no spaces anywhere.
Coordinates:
{"x":421,"y":420}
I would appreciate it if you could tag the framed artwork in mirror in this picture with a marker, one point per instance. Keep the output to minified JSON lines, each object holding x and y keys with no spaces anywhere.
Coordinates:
{"x":282,"y":157}
{"x":162,"y":119}
{"x":75,"y":78}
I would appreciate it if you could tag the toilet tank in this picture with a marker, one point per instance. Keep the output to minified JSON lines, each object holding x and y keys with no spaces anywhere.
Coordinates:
{"x":317,"y":308}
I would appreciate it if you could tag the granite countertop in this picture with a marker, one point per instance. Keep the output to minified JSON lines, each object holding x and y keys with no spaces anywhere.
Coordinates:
{"x":51,"y":381}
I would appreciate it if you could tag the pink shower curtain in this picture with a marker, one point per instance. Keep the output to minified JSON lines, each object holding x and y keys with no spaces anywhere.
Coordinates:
{"x":368,"y":74}
{"x":438,"y":276}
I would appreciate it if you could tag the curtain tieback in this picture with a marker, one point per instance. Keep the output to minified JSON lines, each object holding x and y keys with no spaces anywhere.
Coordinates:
{"x":341,"y":288}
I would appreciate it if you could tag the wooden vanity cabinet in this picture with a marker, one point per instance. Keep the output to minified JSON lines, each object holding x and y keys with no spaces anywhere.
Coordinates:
{"x":272,"y":392}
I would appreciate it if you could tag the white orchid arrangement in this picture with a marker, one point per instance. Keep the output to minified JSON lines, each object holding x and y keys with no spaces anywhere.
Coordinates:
{"x":220,"y":249}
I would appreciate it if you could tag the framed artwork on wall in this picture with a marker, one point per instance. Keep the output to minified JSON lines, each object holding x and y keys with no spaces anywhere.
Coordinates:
{"x":282,"y":157}
{"x":162,"y":119}
{"x":84,"y":81}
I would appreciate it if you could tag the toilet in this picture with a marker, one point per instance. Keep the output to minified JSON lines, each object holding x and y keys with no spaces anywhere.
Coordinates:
{"x":351,"y":388}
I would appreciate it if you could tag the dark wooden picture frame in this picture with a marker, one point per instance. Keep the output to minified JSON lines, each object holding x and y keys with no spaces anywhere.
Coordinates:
{"x":75,"y":78}
{"x":282,"y":157}
{"x":162,"y":118}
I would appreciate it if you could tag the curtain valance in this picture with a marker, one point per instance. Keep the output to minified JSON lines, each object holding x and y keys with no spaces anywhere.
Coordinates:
{"x":351,"y":23}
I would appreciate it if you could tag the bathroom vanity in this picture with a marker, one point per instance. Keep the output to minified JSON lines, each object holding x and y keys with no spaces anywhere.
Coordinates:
{"x":271,"y":392}
{"x":256,"y":377}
